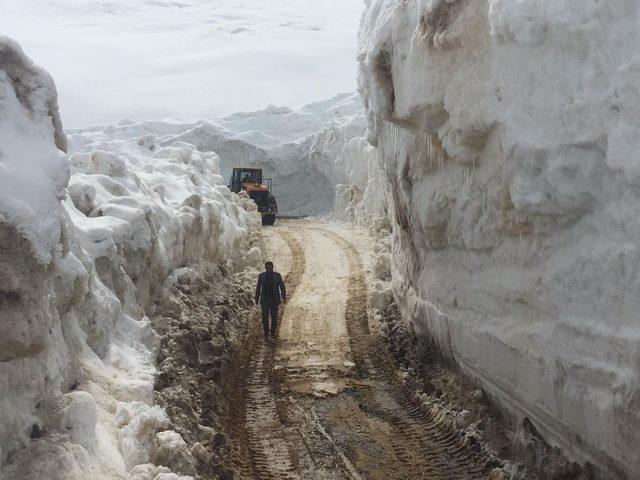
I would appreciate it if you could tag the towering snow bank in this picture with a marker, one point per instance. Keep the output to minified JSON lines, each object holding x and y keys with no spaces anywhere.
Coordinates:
{"x":34,"y":233}
{"x":80,"y":257}
{"x":509,"y":132}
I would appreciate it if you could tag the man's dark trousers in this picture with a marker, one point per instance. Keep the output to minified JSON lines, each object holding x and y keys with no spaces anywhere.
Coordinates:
{"x":269,"y":307}
{"x":270,"y":291}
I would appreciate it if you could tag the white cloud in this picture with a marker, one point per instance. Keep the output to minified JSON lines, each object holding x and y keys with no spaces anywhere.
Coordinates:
{"x":144,"y":59}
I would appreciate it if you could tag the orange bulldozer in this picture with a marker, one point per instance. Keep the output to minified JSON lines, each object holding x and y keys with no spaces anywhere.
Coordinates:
{"x":259,"y":190}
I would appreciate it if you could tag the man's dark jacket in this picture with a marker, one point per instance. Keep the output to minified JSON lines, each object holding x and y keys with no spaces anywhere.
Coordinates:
{"x":278,"y":286}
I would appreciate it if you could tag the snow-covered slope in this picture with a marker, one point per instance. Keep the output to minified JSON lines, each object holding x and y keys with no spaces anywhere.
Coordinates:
{"x":307,"y":152}
{"x":274,"y":126}
{"x":509,"y":132}
{"x":86,"y":241}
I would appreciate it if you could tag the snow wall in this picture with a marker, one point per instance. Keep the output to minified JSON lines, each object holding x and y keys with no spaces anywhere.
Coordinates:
{"x":85,"y":242}
{"x":509,"y":132}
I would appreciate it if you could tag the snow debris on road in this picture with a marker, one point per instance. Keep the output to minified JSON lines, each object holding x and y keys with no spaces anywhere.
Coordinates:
{"x":87,"y":242}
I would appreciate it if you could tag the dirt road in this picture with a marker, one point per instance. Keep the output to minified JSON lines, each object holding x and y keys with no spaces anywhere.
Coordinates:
{"x":325,"y":400}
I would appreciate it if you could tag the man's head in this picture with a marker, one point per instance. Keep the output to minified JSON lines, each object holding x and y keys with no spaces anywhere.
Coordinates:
{"x":269,"y":266}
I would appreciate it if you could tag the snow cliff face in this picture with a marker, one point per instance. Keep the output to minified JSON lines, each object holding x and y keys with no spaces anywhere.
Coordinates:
{"x":341,"y":153}
{"x":86,"y":241}
{"x":509,"y":135}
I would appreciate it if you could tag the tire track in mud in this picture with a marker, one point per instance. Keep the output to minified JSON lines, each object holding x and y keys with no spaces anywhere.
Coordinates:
{"x":261,"y":450}
{"x":428,"y":446}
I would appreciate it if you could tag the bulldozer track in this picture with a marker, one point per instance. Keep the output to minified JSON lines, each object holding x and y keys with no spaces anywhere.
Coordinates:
{"x":429,"y":447}
{"x":261,"y":449}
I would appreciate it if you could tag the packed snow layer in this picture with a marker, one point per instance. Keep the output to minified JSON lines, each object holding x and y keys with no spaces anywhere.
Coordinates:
{"x":186,"y":58}
{"x":509,"y":133}
{"x":86,"y":241}
{"x":317,"y":156}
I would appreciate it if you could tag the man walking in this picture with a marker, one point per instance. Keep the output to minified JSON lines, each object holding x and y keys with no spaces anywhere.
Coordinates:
{"x":268,"y":290}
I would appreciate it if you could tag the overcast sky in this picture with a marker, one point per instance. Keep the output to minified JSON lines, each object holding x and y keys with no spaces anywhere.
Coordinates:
{"x":188,"y":59}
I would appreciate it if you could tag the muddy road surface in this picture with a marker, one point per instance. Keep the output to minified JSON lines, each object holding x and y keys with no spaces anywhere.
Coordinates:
{"x":324,"y":400}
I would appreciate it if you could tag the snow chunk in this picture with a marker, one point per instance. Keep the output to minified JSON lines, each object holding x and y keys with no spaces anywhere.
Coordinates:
{"x":77,"y":417}
{"x":153,"y":472}
{"x":138,"y":423}
{"x":171,"y":450}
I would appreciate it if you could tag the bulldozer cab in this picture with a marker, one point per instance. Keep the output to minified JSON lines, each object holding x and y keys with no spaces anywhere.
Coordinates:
{"x":242,"y":176}
{"x":250,"y":180}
